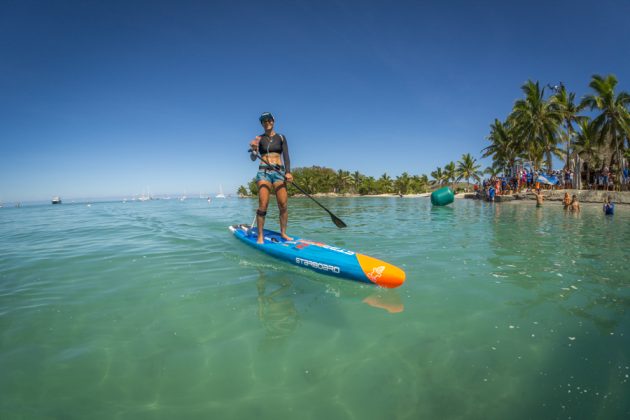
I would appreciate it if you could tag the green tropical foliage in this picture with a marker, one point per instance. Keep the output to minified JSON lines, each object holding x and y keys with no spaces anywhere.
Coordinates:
{"x":385,"y":184}
{"x":503,"y":148}
{"x":450,"y":173}
{"x":585,"y":145}
{"x":613,"y":123}
{"x":538,"y":124}
{"x":242,"y":191}
{"x":323,"y":180}
{"x":438,"y":176}
{"x":467,"y":168}
{"x":492,"y":171}
{"x":564,"y":102}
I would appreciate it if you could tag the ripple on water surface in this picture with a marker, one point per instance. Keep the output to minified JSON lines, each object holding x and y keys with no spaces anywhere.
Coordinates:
{"x":153,"y":310}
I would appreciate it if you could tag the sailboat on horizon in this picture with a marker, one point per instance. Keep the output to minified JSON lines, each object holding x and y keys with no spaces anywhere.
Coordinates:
{"x":220,"y":195}
{"x":145,"y":197}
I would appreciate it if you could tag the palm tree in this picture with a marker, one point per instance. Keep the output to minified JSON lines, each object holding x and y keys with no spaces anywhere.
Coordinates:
{"x":253,"y":187}
{"x":565,"y":103}
{"x":368,"y":185}
{"x":536,"y":123}
{"x":242,"y":191}
{"x":327,"y":183}
{"x":402,"y":183}
{"x":450,"y":173}
{"x":356,"y":181}
{"x":613,"y":124}
{"x":493,"y":171}
{"x":585,"y":145}
{"x":344,"y":179}
{"x":385,"y":183}
{"x":467,"y":168}
{"x":438,"y":176}
{"x":504,"y":148}
{"x":424,"y":182}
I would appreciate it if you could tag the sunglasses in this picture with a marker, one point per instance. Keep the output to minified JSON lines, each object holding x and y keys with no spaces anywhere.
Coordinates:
{"x":266,"y":120}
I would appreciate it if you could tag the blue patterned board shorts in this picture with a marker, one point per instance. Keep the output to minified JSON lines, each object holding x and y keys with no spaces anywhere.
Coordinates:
{"x":269,"y":175}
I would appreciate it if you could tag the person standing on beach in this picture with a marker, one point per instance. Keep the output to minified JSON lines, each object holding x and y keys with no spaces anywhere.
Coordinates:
{"x":539,"y":198}
{"x":575,"y":204}
{"x":275,"y":172}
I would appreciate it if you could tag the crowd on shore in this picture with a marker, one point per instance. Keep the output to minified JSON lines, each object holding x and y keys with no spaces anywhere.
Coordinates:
{"x":528,"y":181}
{"x":535,"y":183}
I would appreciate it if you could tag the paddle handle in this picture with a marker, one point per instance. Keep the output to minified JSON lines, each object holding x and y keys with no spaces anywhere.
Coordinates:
{"x":337,"y":221}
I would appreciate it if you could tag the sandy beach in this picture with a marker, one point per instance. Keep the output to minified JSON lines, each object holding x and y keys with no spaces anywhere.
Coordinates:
{"x":585,"y":196}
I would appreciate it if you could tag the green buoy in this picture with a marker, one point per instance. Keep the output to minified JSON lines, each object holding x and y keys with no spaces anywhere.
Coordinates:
{"x":442,"y":197}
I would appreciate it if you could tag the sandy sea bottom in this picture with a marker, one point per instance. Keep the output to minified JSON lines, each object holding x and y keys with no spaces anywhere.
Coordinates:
{"x":152,"y":310}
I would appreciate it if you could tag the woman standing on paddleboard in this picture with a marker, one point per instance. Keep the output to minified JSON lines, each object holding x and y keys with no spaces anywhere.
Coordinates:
{"x":275,"y":169}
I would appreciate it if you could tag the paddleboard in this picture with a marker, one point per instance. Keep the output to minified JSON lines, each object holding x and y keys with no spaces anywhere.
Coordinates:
{"x":323,"y":258}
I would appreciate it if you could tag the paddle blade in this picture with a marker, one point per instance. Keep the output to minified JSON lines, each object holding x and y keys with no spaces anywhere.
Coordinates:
{"x":337,"y":221}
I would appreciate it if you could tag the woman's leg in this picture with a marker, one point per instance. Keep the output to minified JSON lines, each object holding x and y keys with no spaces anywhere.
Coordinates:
{"x":263,"y":202}
{"x":282,"y":198}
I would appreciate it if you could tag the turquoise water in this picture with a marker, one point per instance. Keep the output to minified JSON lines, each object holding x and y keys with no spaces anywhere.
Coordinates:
{"x":153,"y":310}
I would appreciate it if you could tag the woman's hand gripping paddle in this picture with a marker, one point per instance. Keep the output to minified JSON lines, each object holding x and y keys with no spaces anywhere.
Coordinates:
{"x":337,"y":221}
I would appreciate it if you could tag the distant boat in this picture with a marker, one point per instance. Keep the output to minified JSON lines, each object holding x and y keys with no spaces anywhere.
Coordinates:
{"x":56,"y":200}
{"x":146,"y":197}
{"x":220,"y":195}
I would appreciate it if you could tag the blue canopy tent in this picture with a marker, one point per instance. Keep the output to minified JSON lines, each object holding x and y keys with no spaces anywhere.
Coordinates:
{"x":548,"y":179}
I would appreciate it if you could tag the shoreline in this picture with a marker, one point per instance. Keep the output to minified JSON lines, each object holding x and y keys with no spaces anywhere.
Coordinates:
{"x":584,"y":196}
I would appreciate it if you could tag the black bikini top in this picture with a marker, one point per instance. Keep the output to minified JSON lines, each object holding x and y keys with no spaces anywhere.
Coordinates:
{"x":275,"y":144}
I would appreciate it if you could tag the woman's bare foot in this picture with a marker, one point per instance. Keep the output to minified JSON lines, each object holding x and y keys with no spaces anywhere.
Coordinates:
{"x":260,"y":240}
{"x":286,"y":237}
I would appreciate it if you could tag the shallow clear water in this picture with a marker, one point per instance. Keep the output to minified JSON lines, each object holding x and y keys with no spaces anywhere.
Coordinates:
{"x":153,"y":310}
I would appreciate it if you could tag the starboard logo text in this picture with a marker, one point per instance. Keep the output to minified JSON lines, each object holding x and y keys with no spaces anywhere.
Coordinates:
{"x":318,"y":265}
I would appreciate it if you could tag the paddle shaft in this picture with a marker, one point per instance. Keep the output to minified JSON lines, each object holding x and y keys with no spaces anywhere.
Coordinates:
{"x":337,"y":221}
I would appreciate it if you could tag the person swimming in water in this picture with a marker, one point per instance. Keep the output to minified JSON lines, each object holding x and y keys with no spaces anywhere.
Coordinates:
{"x":539,"y":197}
{"x":566,"y":201}
{"x":575,"y":204}
{"x":609,"y":207}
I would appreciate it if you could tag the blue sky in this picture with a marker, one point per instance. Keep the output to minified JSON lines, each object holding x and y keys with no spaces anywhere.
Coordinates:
{"x":110,"y":98}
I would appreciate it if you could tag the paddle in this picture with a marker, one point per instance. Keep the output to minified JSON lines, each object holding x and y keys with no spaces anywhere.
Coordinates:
{"x":337,"y":221}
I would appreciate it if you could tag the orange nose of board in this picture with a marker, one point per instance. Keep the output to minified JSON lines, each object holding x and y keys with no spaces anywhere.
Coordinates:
{"x":380,"y":272}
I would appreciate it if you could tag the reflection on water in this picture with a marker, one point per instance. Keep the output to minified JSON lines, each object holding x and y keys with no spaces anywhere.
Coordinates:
{"x":388,"y":300}
{"x":276,"y":307}
{"x":277,"y":296}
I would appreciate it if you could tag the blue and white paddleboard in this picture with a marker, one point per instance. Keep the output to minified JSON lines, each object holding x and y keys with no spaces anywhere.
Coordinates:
{"x":326,"y":259}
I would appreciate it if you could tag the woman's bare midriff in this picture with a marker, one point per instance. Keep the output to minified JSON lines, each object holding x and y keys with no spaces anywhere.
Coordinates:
{"x":272,"y":158}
